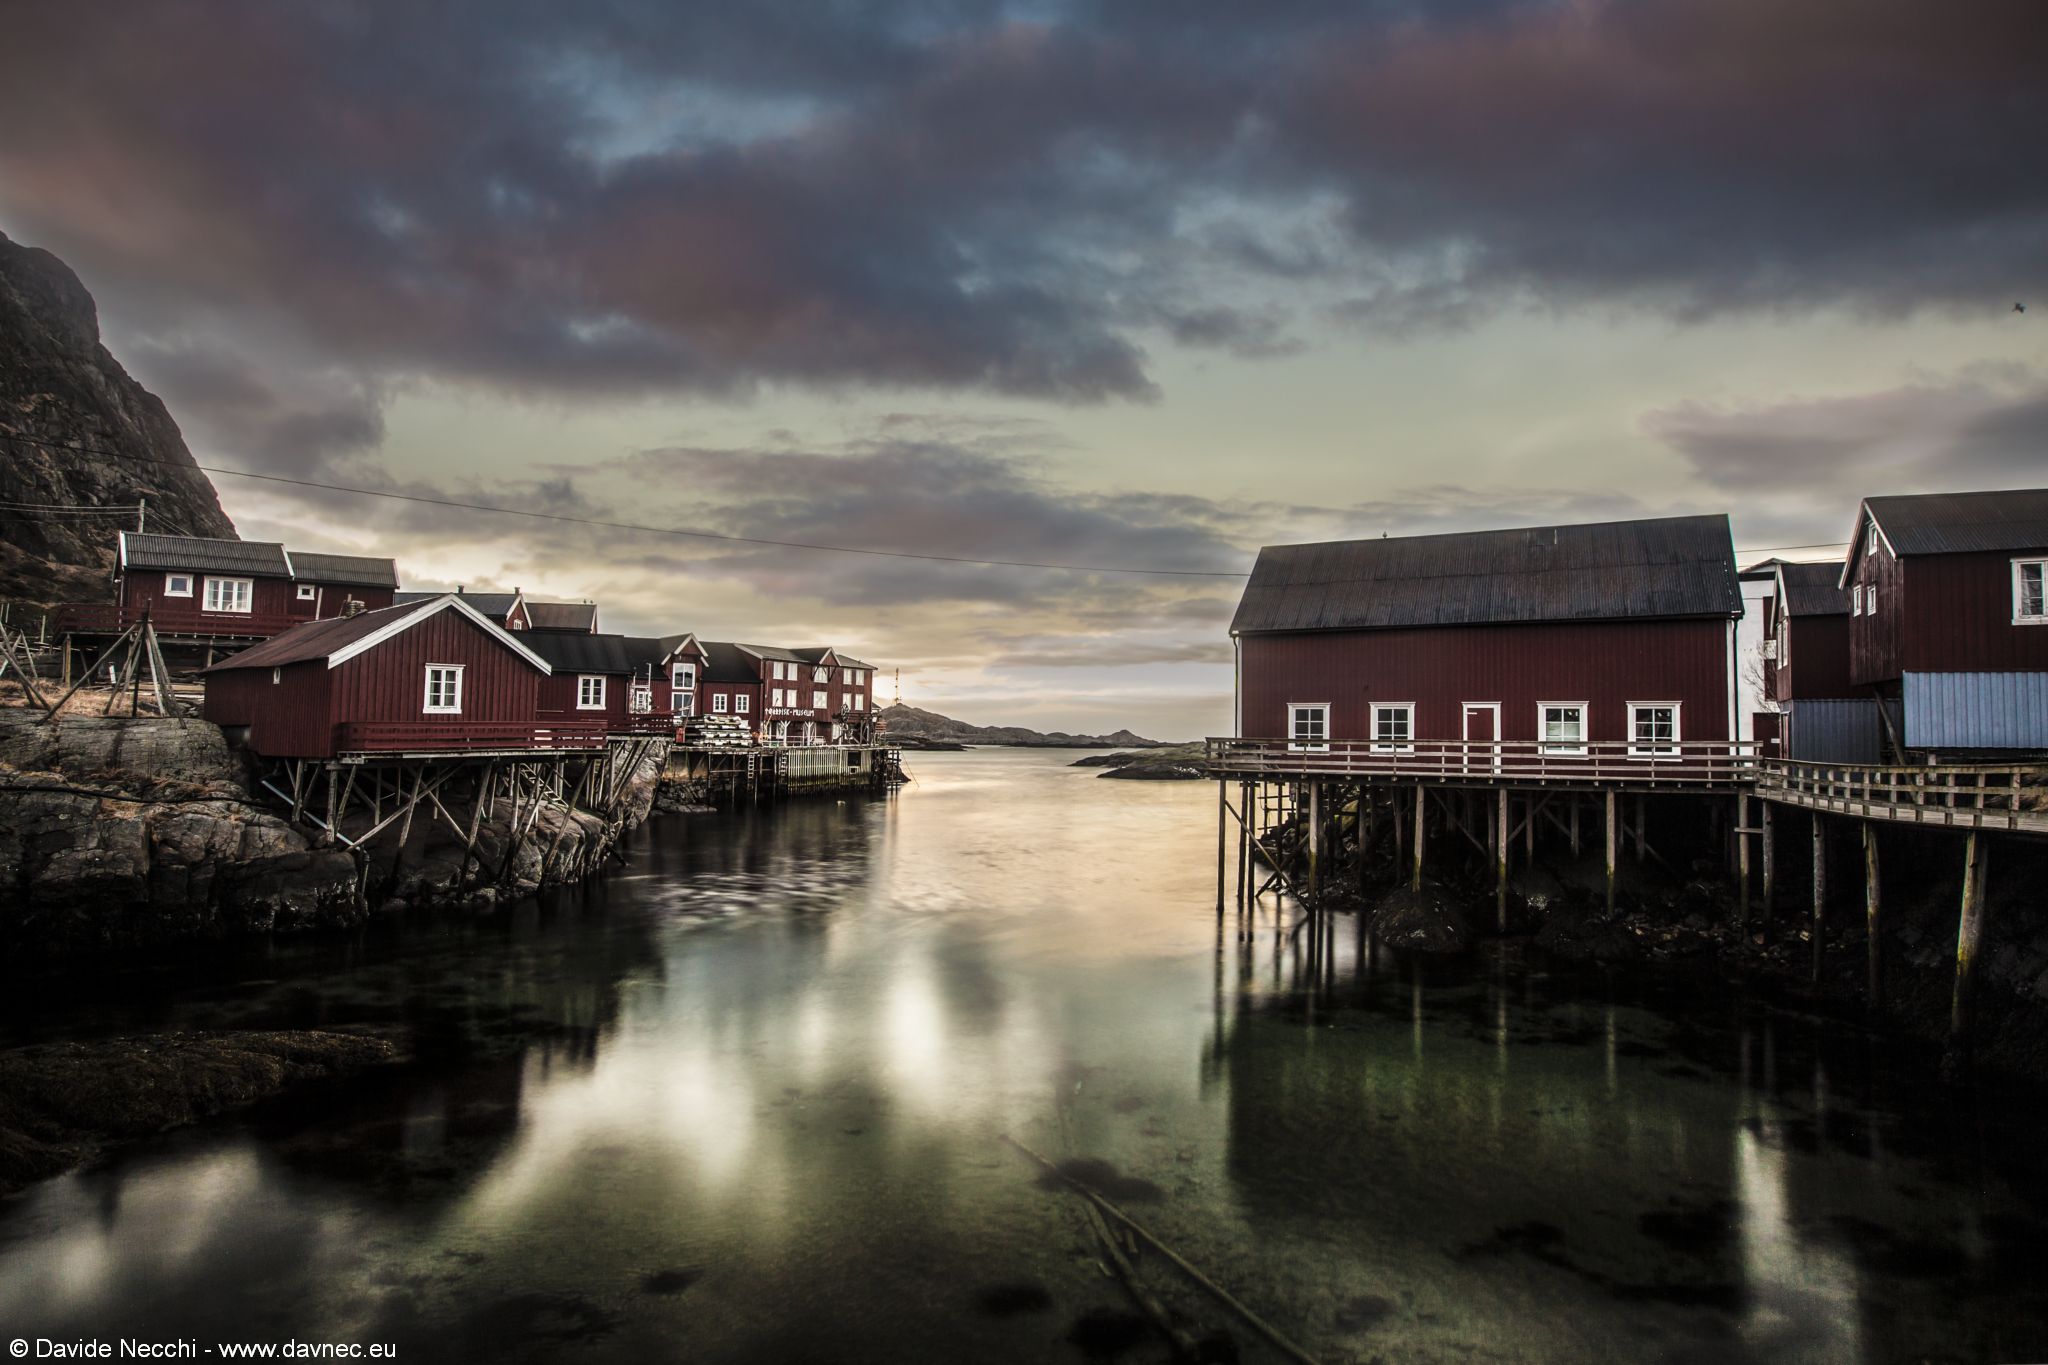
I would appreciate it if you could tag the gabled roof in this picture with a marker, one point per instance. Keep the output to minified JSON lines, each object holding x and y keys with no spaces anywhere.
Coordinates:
{"x":561,"y":615}
{"x":1812,"y":589}
{"x":567,"y":652}
{"x":671,"y":645}
{"x":496,"y":605}
{"x":341,"y":638}
{"x":817,"y":654}
{"x":356,"y":571}
{"x":848,"y":661}
{"x":728,"y":663}
{"x":262,"y":558}
{"x":788,"y":656}
{"x":1960,"y":523}
{"x":1620,"y":570}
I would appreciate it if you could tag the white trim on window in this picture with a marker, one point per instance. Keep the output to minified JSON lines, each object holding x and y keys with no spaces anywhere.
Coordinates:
{"x":307,"y":592}
{"x":1399,"y":740}
{"x":1308,"y":727}
{"x":1559,"y":745}
{"x":683,"y":677}
{"x":444,"y":690}
{"x":819,"y":701}
{"x":1657,"y":746}
{"x":232,"y":595}
{"x":720,"y":702}
{"x":1856,"y":600}
{"x":171,"y":582}
{"x":590,"y":691}
{"x":2030,"y":599}
{"x":741,"y":703}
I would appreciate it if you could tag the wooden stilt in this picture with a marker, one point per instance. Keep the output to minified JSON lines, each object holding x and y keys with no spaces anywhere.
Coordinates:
{"x":1500,"y":861}
{"x":1969,"y":932}
{"x":1314,"y":830}
{"x":326,"y":839}
{"x":1611,"y":850}
{"x":1820,"y":894}
{"x":1871,"y":898}
{"x":1222,"y":833}
{"x":1770,"y":849}
{"x":1415,"y":882}
{"x":1742,"y":861}
{"x":1575,"y":827}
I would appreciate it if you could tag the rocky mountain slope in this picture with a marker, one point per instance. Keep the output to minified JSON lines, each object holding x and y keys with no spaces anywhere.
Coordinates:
{"x":911,"y":722}
{"x":60,"y":389}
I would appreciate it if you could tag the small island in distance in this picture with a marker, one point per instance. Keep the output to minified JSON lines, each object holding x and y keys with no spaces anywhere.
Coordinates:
{"x":1136,"y":757}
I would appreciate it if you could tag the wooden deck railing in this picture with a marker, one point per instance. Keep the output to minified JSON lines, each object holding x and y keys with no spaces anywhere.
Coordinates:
{"x":1605,"y":763}
{"x":108,"y":618}
{"x":1973,"y":795}
{"x":392,"y":737}
{"x":645,"y":723}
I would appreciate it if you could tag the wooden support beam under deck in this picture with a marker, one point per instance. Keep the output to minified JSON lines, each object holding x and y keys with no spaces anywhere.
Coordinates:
{"x":1969,"y":931}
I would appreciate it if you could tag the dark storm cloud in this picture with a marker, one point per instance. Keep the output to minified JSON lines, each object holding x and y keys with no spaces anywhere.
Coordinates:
{"x":639,"y":197}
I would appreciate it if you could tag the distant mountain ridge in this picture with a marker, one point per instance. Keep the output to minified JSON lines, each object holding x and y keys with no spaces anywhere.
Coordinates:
{"x":63,"y":390}
{"x":911,"y":722}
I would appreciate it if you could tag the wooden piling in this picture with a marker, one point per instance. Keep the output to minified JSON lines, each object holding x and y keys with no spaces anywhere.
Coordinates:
{"x":1244,"y":848}
{"x":1820,"y":893}
{"x":1770,"y":845}
{"x":1500,"y":861}
{"x":1610,"y":851}
{"x":1222,"y":833}
{"x":1871,"y":899}
{"x":1315,"y":838}
{"x":1969,"y":931}
{"x":1415,"y":882}
{"x":1742,"y":861}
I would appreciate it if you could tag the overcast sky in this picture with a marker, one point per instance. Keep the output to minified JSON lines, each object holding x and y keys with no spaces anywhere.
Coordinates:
{"x":1143,"y":283}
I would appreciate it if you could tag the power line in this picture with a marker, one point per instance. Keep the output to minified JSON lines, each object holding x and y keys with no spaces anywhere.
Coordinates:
{"x":627,"y":525}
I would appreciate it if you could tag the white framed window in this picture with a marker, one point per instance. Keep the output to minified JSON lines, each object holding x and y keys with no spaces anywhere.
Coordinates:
{"x":775,"y":696}
{"x":1856,"y":600}
{"x":822,"y":673}
{"x":1393,"y":727}
{"x":307,"y":592}
{"x":1653,"y":729}
{"x":2030,"y":592}
{"x":683,"y":703}
{"x":444,"y":689}
{"x":1308,"y":726}
{"x":858,"y":702}
{"x":177,"y":585}
{"x":1870,"y":600}
{"x":590,"y":692}
{"x":720,"y":701}
{"x":782,"y":670}
{"x":1870,"y":540}
{"x":742,"y":704}
{"x":642,"y":700}
{"x":276,"y":676}
{"x":683,"y":677}
{"x":819,"y":701}
{"x":229,"y":594}
{"x":1563,"y":727}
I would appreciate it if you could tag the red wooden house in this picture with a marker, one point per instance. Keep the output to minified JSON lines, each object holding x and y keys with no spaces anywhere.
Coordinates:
{"x":1948,"y":617}
{"x":1555,"y":644}
{"x":423,"y":677}
{"x":615,"y":679}
{"x":1825,"y":718}
{"x":572,"y":618}
{"x":506,"y":609}
{"x":201,"y":589}
{"x":785,"y":696}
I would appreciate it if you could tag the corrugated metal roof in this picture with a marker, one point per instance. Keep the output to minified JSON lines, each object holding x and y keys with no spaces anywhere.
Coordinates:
{"x":1961,"y":523}
{"x":492,"y":604}
{"x":848,"y":661}
{"x":262,"y":557}
{"x":572,"y":653}
{"x":1621,"y":570}
{"x":561,"y":615}
{"x":316,"y":639}
{"x":359,"y":571}
{"x":788,"y":656}
{"x":1814,"y":589}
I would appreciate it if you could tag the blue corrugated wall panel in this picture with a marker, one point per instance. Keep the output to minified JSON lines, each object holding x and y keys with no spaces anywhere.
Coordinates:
{"x":1976,"y":710}
{"x":1831,"y":731}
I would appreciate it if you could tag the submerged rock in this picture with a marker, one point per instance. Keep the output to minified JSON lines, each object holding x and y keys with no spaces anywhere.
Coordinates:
{"x":1426,"y":921}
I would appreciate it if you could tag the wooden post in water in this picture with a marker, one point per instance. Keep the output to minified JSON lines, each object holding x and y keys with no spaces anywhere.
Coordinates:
{"x":1969,"y":932}
{"x":1415,"y":883}
{"x":1244,"y":826}
{"x":1500,"y":862}
{"x":1222,"y":833}
{"x":1742,"y":861}
{"x":1610,"y":850}
{"x":1770,"y":864}
{"x":1820,"y":893}
{"x":1870,"y":905}
{"x":1315,"y":837}
{"x":1575,"y":826}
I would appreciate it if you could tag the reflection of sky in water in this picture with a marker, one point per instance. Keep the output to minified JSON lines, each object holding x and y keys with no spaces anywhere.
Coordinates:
{"x":776,"y":1057}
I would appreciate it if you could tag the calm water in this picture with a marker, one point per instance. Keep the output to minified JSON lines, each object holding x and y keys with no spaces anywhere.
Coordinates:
{"x":747,"y":1101}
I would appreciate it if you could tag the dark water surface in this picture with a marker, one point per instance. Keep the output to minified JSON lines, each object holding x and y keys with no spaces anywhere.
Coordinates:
{"x":747,"y":1101}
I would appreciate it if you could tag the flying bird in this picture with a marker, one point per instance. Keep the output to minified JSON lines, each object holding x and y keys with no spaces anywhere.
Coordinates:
{"x":2019,"y":308}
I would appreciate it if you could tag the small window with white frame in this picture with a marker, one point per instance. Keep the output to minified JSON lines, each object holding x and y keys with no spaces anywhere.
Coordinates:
{"x":859,"y":702}
{"x":307,"y":592}
{"x":683,"y":677}
{"x":1653,"y":729}
{"x":1563,"y":726}
{"x":822,"y":673}
{"x":1308,"y":726}
{"x":1393,"y":727}
{"x":1870,"y":539}
{"x":1870,"y":599}
{"x":819,"y":701}
{"x":230,"y":594}
{"x":742,"y":704}
{"x":177,"y":585}
{"x":775,"y":696}
{"x":2030,"y":592}
{"x":444,"y":689}
{"x":720,"y":701}
{"x":590,"y":692}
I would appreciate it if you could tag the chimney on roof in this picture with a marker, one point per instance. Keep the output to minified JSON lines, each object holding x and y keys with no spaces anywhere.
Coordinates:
{"x":352,"y":607}
{"x":458,"y":590}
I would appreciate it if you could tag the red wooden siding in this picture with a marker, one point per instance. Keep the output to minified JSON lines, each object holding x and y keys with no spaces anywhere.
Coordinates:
{"x":1816,"y":660}
{"x":1606,"y":665}
{"x":274,"y":604}
{"x":388,"y":683}
{"x":557,"y":697}
{"x":1944,"y":614}
{"x":289,"y":718}
{"x":1876,"y":641}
